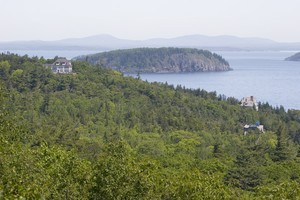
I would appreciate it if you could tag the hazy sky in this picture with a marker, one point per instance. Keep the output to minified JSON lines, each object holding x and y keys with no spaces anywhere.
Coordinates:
{"x":143,"y":19}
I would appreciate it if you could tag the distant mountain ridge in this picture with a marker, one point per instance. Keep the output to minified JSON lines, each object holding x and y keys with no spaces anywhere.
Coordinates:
{"x":108,"y":42}
{"x":158,"y":60}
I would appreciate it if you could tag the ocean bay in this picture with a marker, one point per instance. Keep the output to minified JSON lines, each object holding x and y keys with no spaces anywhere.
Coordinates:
{"x":263,"y":74}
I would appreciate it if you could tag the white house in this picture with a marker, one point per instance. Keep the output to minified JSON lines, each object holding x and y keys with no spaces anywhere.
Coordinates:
{"x":61,"y":66}
{"x":249,"y":102}
{"x":253,"y":127}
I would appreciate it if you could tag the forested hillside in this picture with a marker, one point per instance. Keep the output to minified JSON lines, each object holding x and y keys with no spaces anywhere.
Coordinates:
{"x":96,"y":134}
{"x":161,"y":60}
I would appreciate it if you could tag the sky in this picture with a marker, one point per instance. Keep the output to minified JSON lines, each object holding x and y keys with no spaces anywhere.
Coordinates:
{"x":143,"y":19}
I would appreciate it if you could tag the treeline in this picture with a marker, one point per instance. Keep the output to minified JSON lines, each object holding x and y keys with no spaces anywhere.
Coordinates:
{"x":158,"y":60}
{"x":99,"y":135}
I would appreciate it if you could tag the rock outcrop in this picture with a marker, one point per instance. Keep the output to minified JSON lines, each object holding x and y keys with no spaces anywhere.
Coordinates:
{"x":295,"y":57}
{"x":159,"y":60}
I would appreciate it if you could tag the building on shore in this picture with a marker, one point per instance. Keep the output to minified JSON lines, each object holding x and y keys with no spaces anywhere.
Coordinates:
{"x":249,"y":102}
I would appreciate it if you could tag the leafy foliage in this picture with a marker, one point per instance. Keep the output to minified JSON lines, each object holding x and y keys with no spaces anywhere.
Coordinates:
{"x":97,"y":134}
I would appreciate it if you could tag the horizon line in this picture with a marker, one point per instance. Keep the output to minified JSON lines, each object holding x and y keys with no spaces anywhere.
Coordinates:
{"x":151,"y":38}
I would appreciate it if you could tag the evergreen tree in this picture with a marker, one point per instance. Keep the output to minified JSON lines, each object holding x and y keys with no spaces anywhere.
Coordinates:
{"x":284,"y":150}
{"x":247,"y":172}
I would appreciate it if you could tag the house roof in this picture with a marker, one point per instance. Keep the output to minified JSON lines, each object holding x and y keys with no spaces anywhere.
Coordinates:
{"x":62,"y":61}
{"x":251,"y":99}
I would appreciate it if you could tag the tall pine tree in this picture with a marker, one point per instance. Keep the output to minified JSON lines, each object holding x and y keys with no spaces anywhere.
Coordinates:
{"x":283,"y":150}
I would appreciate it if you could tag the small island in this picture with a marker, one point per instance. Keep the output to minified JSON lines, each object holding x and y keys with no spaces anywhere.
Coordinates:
{"x":159,"y":60}
{"x":295,"y":57}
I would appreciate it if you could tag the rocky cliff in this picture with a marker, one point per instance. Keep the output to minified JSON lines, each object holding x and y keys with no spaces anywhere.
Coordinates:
{"x":159,"y":60}
{"x":295,"y":57}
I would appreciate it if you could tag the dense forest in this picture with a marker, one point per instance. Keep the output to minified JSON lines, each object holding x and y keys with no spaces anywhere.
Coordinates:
{"x":161,"y":60}
{"x":96,"y":134}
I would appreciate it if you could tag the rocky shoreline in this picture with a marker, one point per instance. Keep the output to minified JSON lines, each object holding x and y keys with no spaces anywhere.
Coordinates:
{"x":159,"y":60}
{"x":295,"y":57}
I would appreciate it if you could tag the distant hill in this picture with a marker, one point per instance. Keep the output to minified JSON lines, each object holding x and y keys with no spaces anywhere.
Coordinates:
{"x":295,"y":57}
{"x":221,"y":42}
{"x":161,"y":60}
{"x":108,"y":42}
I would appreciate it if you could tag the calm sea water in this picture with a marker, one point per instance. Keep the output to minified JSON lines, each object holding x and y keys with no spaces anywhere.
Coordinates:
{"x":264,"y":75}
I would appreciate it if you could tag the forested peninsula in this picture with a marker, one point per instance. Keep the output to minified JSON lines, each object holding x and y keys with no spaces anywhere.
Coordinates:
{"x":295,"y":57}
{"x":97,"y":134}
{"x":159,"y":60}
